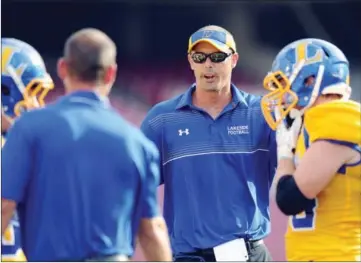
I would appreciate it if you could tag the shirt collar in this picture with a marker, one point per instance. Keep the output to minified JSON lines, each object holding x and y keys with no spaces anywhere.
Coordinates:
{"x":186,"y":99}
{"x":90,"y":96}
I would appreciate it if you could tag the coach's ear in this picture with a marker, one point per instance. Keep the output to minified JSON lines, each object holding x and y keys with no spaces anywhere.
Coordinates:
{"x":110,"y":74}
{"x":235,"y":58}
{"x":62,"y":69}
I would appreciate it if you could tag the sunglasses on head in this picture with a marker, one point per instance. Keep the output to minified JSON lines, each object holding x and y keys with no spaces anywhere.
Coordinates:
{"x":215,"y":57}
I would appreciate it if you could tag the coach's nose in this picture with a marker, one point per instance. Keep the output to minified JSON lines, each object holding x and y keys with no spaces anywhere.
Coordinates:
{"x":208,"y":63}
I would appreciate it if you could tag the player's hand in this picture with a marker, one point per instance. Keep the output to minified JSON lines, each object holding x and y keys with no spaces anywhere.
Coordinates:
{"x":286,"y":136}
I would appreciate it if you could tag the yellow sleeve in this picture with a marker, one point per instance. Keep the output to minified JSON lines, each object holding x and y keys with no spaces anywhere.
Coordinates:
{"x":338,"y":120}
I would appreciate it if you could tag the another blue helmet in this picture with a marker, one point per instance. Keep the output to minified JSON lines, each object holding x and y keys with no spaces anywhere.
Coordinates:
{"x":24,"y":79}
{"x":291,"y":70}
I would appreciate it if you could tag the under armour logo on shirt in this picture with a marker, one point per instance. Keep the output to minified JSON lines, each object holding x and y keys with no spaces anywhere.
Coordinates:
{"x":181,"y":132}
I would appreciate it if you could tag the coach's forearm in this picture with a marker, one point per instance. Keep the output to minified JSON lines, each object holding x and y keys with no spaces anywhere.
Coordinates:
{"x":6,"y":122}
{"x":154,"y":241}
{"x":7,"y":211}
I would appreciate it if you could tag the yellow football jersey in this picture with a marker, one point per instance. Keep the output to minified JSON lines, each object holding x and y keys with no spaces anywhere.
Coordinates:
{"x":330,"y":230}
{"x":10,"y":241}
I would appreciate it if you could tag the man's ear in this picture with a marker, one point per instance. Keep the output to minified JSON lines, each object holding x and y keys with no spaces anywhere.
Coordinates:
{"x":235,"y":58}
{"x":62,"y":70}
{"x":110,"y":75}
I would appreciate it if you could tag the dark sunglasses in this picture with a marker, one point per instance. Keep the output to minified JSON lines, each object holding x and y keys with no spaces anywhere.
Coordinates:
{"x":216,"y":57}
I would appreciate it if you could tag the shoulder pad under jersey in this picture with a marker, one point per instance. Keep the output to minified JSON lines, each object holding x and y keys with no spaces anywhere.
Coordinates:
{"x":338,"y":120}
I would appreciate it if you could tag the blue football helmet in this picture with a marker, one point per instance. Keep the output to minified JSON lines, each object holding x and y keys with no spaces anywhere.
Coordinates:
{"x":288,"y":81}
{"x":24,"y":79}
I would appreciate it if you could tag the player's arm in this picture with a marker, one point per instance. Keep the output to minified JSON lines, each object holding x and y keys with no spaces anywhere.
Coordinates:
{"x":285,"y":140}
{"x":153,"y":234}
{"x":332,"y":127}
{"x":152,"y":130}
{"x":16,"y":169}
{"x":322,"y":160}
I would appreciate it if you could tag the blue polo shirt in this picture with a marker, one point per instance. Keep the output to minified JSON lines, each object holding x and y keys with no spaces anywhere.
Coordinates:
{"x":82,"y":177}
{"x":216,"y":172}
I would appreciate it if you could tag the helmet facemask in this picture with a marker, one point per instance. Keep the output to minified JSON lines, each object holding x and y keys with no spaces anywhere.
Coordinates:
{"x":33,"y":94}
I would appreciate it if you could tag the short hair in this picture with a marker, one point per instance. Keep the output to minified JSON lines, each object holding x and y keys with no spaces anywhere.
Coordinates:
{"x":89,"y":53}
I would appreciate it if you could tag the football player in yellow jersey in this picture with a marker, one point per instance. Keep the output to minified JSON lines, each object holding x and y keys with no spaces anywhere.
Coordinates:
{"x":318,"y":179}
{"x":24,"y":85}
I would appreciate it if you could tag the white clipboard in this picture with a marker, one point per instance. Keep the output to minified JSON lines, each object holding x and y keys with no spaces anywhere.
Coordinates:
{"x":234,"y":250}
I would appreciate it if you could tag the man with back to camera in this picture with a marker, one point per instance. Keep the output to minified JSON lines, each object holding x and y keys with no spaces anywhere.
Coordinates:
{"x":25,"y":83}
{"x":218,"y":159}
{"x":83,"y":178}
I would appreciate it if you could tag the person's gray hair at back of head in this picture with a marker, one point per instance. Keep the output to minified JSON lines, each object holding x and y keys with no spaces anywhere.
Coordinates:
{"x":89,"y":53}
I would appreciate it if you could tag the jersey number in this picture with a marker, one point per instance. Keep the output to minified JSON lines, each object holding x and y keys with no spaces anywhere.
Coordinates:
{"x":305,"y":220}
{"x":9,"y":236}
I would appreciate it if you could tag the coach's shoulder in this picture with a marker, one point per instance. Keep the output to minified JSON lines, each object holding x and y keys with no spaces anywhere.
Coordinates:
{"x":136,"y":137}
{"x":164,"y":107}
{"x":29,"y":122}
{"x":253,"y":100}
{"x":248,"y":100}
{"x":158,"y":111}
{"x":252,"y":103}
{"x":33,"y":117}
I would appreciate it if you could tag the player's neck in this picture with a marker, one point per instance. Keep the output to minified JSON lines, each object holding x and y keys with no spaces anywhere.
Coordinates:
{"x":212,"y":99}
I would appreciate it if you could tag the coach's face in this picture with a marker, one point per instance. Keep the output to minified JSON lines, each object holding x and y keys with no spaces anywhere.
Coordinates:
{"x":212,"y":76}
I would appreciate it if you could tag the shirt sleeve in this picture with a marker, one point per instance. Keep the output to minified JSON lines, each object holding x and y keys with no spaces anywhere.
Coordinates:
{"x":17,"y":159}
{"x":150,"y":184}
{"x":273,"y":154}
{"x":151,"y":127}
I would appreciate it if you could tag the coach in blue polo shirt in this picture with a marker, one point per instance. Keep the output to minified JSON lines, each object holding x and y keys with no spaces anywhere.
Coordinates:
{"x":83,"y":179}
{"x":218,"y":158}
